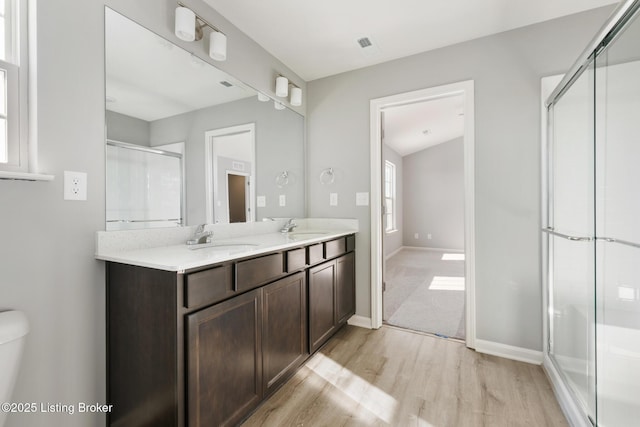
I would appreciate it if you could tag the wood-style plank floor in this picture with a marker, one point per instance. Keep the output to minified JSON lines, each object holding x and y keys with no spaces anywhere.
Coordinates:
{"x":393,"y":377}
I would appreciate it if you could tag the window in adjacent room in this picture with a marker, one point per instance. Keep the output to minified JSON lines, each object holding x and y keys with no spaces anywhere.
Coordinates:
{"x":390,"y":196}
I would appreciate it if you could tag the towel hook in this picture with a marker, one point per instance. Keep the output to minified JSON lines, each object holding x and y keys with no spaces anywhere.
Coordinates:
{"x":282,"y":179}
{"x":327,"y":176}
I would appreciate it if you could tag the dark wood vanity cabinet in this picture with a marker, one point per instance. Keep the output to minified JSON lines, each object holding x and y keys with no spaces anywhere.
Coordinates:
{"x":205,"y":347}
{"x":331,"y":298}
{"x":322,"y":315}
{"x":345,"y":287}
{"x":240,"y":350}
{"x":224,"y":360}
{"x":284,"y":329}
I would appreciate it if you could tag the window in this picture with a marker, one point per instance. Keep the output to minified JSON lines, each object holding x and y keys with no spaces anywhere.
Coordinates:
{"x":13,"y":85}
{"x":390,"y":196}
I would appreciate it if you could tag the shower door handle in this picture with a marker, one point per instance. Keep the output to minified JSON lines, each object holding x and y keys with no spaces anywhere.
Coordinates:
{"x":620,"y":241}
{"x":551,"y":231}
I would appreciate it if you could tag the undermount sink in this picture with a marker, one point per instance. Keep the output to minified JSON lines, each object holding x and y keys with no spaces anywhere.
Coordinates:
{"x":224,"y":246}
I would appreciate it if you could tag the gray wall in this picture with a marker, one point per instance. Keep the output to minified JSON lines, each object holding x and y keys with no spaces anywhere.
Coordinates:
{"x":434,"y":184}
{"x":393,"y":241}
{"x":127,"y":129}
{"x":279,"y":147}
{"x":506,"y":69}
{"x":47,"y":246}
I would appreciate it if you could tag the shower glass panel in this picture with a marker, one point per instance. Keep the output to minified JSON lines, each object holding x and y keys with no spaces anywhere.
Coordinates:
{"x":571,"y":229}
{"x":618,"y":229}
{"x":592,"y":228}
{"x":144,"y":188}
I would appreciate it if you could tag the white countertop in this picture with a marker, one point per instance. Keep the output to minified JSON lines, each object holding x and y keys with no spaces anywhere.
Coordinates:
{"x":180,"y":257}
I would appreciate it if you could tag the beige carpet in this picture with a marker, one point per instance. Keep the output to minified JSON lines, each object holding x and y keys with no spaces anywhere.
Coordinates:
{"x":425,"y":293}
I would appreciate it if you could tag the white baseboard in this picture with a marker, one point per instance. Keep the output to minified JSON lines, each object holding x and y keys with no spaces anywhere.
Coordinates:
{"x":424,"y":248}
{"x":386,"y":257}
{"x":509,"y":351}
{"x":360,"y":321}
{"x":571,"y":410}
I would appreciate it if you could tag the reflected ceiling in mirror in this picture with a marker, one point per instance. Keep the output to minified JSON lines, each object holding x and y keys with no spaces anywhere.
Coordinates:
{"x":150,"y":78}
{"x":161,"y":103}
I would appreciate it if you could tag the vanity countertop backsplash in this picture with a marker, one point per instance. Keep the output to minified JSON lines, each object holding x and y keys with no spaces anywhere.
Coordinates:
{"x":166,"y":248}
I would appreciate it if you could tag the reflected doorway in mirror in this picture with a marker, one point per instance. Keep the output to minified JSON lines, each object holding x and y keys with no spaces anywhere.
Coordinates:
{"x":230,"y":170}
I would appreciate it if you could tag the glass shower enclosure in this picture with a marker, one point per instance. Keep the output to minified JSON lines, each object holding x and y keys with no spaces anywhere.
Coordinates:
{"x":144,"y":187}
{"x":591,"y":229}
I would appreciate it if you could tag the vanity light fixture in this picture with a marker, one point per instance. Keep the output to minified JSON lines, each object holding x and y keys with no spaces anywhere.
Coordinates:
{"x":282,"y":86}
{"x":282,"y":90}
{"x":185,"y":26}
{"x":217,"y":46}
{"x":189,"y":27}
{"x":279,"y":105}
{"x":296,"y":96}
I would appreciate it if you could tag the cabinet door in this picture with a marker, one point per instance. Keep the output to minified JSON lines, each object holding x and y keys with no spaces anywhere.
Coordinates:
{"x":224,"y":361}
{"x":322,"y":315}
{"x":345,"y":287}
{"x":284,"y":329}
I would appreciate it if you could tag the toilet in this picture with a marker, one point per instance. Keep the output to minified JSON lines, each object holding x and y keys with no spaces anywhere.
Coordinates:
{"x":13,"y":328}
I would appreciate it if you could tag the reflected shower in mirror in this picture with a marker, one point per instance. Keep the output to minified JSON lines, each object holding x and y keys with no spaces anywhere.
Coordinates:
{"x":189,"y":144}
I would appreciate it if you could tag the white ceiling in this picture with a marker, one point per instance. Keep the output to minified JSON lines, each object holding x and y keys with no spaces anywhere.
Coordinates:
{"x":405,"y":126}
{"x":318,"y":38}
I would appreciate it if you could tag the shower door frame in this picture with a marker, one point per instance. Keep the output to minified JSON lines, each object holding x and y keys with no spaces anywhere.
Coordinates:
{"x":161,"y":152}
{"x":622,"y":15}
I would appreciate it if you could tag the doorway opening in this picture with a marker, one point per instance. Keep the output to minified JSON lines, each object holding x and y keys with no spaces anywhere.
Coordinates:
{"x":422,"y":211}
{"x":238,"y":195}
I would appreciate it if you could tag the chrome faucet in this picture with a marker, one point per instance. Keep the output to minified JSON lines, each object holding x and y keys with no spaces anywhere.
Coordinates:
{"x":200,"y":236}
{"x":288,"y":226}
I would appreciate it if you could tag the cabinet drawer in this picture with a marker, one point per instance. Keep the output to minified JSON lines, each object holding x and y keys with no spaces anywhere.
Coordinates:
{"x":351,"y":243}
{"x":208,"y":286}
{"x":296,"y":259}
{"x":334,"y":248}
{"x":254,"y":272}
{"x":315,"y":254}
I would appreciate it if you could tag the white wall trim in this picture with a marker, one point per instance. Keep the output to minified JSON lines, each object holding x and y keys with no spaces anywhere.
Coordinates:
{"x":572,"y":412}
{"x":422,"y":248}
{"x":425,"y":248}
{"x":387,"y":257}
{"x":360,"y":321}
{"x":210,"y":176}
{"x":509,"y":352}
{"x":465,"y":88}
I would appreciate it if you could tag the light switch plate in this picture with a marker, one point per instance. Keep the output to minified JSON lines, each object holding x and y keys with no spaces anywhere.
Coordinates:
{"x":261,"y":201}
{"x":333,"y":199}
{"x":75,"y":185}
{"x":362,"y":199}
{"x":283,"y":200}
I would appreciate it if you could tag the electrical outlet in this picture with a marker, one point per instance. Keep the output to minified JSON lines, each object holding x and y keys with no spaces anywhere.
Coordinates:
{"x":333,"y":199}
{"x":75,"y":185}
{"x":261,"y":201}
{"x":416,"y":236}
{"x":429,"y":236}
{"x":283,"y":200}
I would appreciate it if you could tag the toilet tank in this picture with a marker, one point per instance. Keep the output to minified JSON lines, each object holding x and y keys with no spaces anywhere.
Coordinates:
{"x":13,"y":328}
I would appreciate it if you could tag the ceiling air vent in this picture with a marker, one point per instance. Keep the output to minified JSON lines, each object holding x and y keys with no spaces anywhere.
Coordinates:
{"x":364,"y":42}
{"x":225,"y":83}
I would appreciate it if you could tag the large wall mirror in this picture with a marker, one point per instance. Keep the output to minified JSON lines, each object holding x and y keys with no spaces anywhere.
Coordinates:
{"x":189,"y":144}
